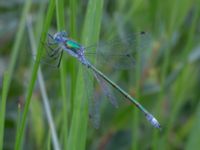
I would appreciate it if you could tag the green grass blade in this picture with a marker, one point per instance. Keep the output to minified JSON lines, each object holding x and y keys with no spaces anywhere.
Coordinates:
{"x":60,"y":15}
{"x":61,"y":27}
{"x":34,"y":73}
{"x":3,"y":107}
{"x":90,"y":35}
{"x":73,"y":13}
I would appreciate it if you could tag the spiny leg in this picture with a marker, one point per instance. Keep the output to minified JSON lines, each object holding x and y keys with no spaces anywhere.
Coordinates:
{"x":57,"y":58}
{"x":54,"y":55}
{"x":61,"y":53}
{"x":52,"y":51}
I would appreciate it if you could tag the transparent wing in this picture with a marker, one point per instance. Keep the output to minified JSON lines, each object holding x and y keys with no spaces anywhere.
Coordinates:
{"x":106,"y":90}
{"x":119,"y":52}
{"x":95,"y":100}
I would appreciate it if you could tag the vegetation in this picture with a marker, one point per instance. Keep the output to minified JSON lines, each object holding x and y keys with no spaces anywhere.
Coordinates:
{"x":48,"y":108}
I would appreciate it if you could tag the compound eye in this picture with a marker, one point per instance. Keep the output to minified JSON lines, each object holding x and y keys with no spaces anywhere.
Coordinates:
{"x":57,"y":37}
{"x":64,"y":34}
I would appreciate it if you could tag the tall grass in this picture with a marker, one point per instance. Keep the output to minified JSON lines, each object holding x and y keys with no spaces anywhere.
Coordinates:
{"x":168,"y":87}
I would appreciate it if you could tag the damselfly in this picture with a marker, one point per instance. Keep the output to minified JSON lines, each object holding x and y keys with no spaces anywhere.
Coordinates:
{"x":60,"y":42}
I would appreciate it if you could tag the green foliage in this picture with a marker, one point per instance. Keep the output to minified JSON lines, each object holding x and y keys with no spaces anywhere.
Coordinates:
{"x":166,"y":82}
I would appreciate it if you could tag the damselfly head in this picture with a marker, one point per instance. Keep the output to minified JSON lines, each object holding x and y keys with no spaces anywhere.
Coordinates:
{"x":59,"y":36}
{"x":64,"y":34}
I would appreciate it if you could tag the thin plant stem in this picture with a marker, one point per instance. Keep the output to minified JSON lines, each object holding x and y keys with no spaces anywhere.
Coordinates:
{"x":3,"y":107}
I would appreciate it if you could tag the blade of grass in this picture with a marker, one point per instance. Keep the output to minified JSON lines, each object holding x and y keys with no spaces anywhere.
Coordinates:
{"x":34,"y":73}
{"x":91,"y":30}
{"x":61,"y":27}
{"x":73,"y":12}
{"x":60,"y":15}
{"x":3,"y":107}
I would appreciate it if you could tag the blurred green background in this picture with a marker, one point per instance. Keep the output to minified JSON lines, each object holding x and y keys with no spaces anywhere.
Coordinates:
{"x":166,"y":82}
